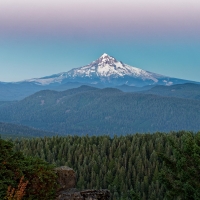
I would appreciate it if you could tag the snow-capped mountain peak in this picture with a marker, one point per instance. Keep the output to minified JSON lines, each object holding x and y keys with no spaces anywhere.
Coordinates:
{"x":106,"y":70}
{"x":105,"y":58}
{"x":105,"y":55}
{"x":108,"y":67}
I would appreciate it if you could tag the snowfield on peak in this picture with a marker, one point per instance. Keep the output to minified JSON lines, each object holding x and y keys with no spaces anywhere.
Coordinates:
{"x":108,"y":66}
{"x":107,"y":70}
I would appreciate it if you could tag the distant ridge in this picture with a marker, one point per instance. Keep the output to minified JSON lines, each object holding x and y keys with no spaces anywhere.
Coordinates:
{"x":8,"y":130}
{"x":93,"y":111}
{"x":186,"y":91}
{"x":106,"y":71}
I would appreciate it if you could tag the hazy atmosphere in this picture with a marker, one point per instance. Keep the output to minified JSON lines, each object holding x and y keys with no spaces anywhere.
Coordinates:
{"x":39,"y":39}
{"x":99,"y":99}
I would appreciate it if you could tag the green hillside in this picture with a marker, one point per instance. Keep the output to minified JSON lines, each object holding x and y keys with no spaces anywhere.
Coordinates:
{"x":88,"y":110}
{"x":8,"y":130}
{"x":187,"y":91}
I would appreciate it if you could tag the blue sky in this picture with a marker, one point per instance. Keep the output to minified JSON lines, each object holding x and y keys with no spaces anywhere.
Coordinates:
{"x":39,"y":39}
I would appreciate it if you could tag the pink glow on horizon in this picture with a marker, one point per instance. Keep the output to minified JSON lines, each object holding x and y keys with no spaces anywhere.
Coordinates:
{"x":94,"y":19}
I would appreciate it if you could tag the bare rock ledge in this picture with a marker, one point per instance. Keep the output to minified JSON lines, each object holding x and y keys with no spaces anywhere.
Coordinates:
{"x":67,"y":190}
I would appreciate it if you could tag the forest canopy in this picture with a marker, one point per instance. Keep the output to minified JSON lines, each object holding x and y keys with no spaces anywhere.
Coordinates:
{"x":128,"y":166}
{"x":24,"y":176}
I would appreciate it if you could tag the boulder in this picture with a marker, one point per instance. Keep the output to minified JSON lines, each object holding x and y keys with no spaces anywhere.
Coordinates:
{"x":66,"y":177}
{"x":67,"y":190}
{"x":95,"y":194}
{"x":70,"y":194}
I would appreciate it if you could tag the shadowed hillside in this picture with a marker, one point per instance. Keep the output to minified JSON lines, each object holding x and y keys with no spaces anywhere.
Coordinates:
{"x":88,"y":110}
{"x":187,"y":91}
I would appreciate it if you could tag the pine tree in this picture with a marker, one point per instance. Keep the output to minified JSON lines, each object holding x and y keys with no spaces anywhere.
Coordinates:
{"x":181,"y":176}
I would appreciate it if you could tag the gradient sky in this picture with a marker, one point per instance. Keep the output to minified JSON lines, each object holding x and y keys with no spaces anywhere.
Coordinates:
{"x":40,"y":38}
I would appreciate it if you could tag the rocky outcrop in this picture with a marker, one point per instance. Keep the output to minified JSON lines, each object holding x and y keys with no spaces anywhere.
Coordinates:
{"x":66,"y":177}
{"x":74,"y":194}
{"x":70,"y":194}
{"x":96,"y":194}
{"x":67,"y":190}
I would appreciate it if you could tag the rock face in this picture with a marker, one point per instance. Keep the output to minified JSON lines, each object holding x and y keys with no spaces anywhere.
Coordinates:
{"x":67,"y":190}
{"x":96,"y":194}
{"x":74,"y":194}
{"x":70,"y":194}
{"x":66,"y":177}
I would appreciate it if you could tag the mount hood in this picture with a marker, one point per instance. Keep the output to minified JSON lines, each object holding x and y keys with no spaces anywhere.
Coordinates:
{"x":108,"y":71}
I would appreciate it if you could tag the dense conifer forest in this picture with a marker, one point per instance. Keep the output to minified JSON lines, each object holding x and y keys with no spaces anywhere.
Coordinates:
{"x":127,"y":165}
{"x":88,"y":110}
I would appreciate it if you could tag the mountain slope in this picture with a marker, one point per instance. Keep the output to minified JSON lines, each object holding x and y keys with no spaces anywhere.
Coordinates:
{"x":8,"y":130}
{"x":99,"y":111}
{"x":17,"y":91}
{"x":187,"y":91}
{"x":108,"y":71}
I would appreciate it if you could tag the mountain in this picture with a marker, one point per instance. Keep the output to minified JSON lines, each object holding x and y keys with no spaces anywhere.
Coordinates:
{"x":17,"y":90}
{"x":127,"y":88}
{"x":106,"y":71}
{"x":187,"y":91}
{"x":13,"y":131}
{"x":89,"y":110}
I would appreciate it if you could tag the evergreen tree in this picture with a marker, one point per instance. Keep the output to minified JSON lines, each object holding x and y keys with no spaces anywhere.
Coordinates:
{"x":180,"y":174}
{"x":39,"y":175}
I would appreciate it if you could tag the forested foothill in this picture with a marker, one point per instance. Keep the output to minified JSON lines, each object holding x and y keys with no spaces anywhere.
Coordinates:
{"x":8,"y":130}
{"x":143,"y":165}
{"x":185,"y":91}
{"x":140,"y":166}
{"x":93,"y":111}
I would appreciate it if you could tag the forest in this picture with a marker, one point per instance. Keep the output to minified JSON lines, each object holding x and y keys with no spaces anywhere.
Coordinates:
{"x":8,"y":130}
{"x":93,"y":111}
{"x":129,"y":166}
{"x":186,"y":91}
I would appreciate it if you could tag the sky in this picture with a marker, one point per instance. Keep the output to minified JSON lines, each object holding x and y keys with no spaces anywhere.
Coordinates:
{"x":40,"y":38}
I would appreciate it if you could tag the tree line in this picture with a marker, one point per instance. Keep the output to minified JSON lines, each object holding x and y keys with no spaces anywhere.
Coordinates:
{"x":125,"y":165}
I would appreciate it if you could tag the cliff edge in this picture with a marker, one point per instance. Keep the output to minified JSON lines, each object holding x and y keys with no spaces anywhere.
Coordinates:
{"x":67,"y":190}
